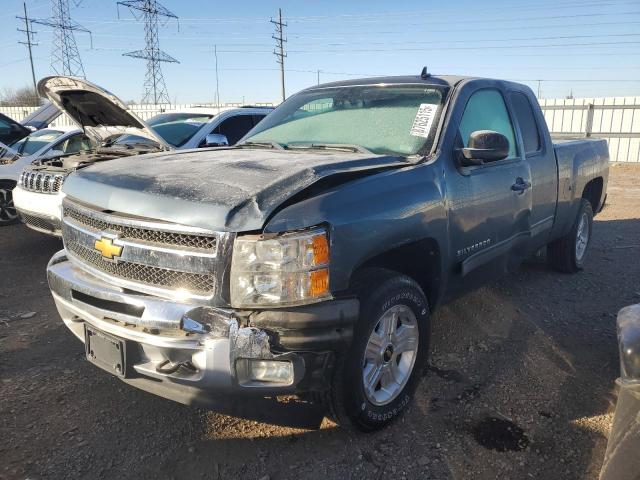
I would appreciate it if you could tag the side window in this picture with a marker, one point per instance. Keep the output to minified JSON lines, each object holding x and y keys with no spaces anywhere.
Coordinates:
{"x":257,"y":119}
{"x":234,"y":128}
{"x":486,"y":110}
{"x":527,"y":122}
{"x":75,"y":144}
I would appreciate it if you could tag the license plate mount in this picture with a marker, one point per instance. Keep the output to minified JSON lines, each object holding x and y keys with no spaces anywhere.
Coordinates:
{"x":105,"y":351}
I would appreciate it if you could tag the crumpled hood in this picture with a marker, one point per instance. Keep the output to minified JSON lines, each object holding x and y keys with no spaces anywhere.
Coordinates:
{"x":228,"y":189}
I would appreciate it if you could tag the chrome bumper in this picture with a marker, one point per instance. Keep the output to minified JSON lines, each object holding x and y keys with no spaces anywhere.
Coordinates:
{"x":157,"y":330}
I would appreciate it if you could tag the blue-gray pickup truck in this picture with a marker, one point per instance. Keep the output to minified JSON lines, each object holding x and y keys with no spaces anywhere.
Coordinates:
{"x":308,"y":258}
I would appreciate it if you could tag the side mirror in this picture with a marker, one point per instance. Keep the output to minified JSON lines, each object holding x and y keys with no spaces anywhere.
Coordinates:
{"x":216,"y":140}
{"x":485,"y":146}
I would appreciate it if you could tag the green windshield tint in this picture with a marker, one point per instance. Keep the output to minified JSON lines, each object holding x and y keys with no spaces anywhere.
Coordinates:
{"x":178,"y":128}
{"x":378,"y":118}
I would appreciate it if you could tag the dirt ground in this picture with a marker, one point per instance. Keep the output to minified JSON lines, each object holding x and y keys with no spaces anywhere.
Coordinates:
{"x":521,"y":385}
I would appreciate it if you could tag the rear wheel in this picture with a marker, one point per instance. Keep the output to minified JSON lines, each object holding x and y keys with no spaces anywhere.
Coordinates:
{"x":8,"y":212}
{"x":569,"y":252}
{"x":376,"y":379}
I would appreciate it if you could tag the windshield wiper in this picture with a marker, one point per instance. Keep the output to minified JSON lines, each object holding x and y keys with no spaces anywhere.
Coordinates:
{"x":267,"y":144}
{"x":330,"y":146}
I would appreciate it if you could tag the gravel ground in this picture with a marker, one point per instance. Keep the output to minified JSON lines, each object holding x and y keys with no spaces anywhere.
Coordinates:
{"x":521,"y":385}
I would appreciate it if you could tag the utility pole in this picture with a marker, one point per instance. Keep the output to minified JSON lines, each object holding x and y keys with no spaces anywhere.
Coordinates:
{"x":29,"y":43}
{"x":65,"y":57}
{"x":539,"y":87}
{"x":279,"y":50}
{"x":318,"y":76}
{"x":215,"y":53}
{"x":155,"y":89}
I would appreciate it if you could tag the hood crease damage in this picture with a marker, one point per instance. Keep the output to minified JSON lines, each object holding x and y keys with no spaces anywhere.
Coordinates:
{"x":237,"y":189}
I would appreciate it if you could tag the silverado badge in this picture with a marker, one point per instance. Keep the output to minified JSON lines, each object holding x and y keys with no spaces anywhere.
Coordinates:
{"x":107,"y":248}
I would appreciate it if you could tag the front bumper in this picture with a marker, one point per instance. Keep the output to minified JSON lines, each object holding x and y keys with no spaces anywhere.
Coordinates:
{"x":157,"y":335}
{"x":40,"y":211}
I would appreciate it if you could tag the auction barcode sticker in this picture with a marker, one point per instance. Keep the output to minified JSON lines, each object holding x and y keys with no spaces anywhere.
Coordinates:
{"x":424,"y":120}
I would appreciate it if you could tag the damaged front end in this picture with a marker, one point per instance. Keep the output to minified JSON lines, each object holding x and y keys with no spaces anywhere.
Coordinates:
{"x":195,"y":354}
{"x":252,"y":361}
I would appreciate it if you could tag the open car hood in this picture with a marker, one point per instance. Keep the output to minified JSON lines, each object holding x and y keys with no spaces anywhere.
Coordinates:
{"x":42,"y":117}
{"x":100,"y":113}
{"x":13,"y":132}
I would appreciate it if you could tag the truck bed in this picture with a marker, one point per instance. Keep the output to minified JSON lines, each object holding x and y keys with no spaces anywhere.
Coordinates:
{"x":578,"y":161}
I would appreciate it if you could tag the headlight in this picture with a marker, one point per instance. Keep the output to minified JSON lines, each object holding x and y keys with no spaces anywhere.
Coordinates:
{"x":283,"y":270}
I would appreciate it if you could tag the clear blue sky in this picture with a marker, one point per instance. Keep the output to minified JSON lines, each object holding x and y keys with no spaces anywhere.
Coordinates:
{"x":589,"y":47}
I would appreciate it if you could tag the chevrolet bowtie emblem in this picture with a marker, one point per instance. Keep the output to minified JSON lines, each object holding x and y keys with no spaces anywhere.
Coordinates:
{"x":106,"y":247}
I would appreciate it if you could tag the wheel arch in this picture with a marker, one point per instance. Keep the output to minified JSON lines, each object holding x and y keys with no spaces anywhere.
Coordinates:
{"x":593,"y":193}
{"x":420,"y":260}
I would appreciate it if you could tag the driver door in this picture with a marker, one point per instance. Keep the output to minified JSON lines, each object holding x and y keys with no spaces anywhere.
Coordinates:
{"x":490,"y":204}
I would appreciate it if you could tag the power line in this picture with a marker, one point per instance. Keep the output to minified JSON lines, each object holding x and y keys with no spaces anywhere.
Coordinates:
{"x":154,"y":84}
{"x":427,"y":42}
{"x":279,"y":51}
{"x":28,"y":31}
{"x":384,"y":16}
{"x":65,"y":57}
{"x":386,"y":50}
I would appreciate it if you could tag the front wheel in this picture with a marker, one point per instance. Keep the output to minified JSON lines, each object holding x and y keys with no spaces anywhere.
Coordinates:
{"x":8,"y":213}
{"x":376,"y":380}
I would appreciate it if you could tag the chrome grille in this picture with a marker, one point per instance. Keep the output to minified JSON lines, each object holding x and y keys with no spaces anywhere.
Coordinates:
{"x":158,"y":277}
{"x":39,"y":222}
{"x":191,"y":241}
{"x":41,"y":181}
{"x":153,"y":256}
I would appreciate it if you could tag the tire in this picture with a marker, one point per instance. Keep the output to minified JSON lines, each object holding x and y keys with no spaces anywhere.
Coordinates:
{"x":8,"y":213}
{"x":568,"y":253}
{"x":394,"y":315}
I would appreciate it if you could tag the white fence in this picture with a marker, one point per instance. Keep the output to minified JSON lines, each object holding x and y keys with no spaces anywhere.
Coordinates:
{"x":616,"y":119}
{"x":145,"y":111}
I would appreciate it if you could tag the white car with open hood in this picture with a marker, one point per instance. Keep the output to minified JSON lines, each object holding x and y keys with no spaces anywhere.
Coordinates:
{"x":115,"y":132}
{"x":23,"y":142}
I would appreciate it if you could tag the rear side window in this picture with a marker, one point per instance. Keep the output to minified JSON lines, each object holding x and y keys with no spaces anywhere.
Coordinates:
{"x":527,"y":121}
{"x":486,"y":110}
{"x":257,"y":119}
{"x":234,"y":128}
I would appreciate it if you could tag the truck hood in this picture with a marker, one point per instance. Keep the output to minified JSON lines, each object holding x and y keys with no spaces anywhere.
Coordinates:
{"x":98,"y":112}
{"x":225,"y":189}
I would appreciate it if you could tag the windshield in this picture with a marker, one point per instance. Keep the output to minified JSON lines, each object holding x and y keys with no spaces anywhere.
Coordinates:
{"x":384,"y":119}
{"x":178,"y":128}
{"x":34,"y":142}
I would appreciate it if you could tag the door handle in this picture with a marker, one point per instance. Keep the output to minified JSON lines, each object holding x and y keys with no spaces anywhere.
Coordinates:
{"x":520,"y":186}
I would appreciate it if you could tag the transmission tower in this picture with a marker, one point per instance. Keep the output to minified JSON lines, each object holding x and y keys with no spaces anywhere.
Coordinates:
{"x":279,"y":50}
{"x":155,"y":89}
{"x":29,"y":42}
{"x":65,"y":58}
